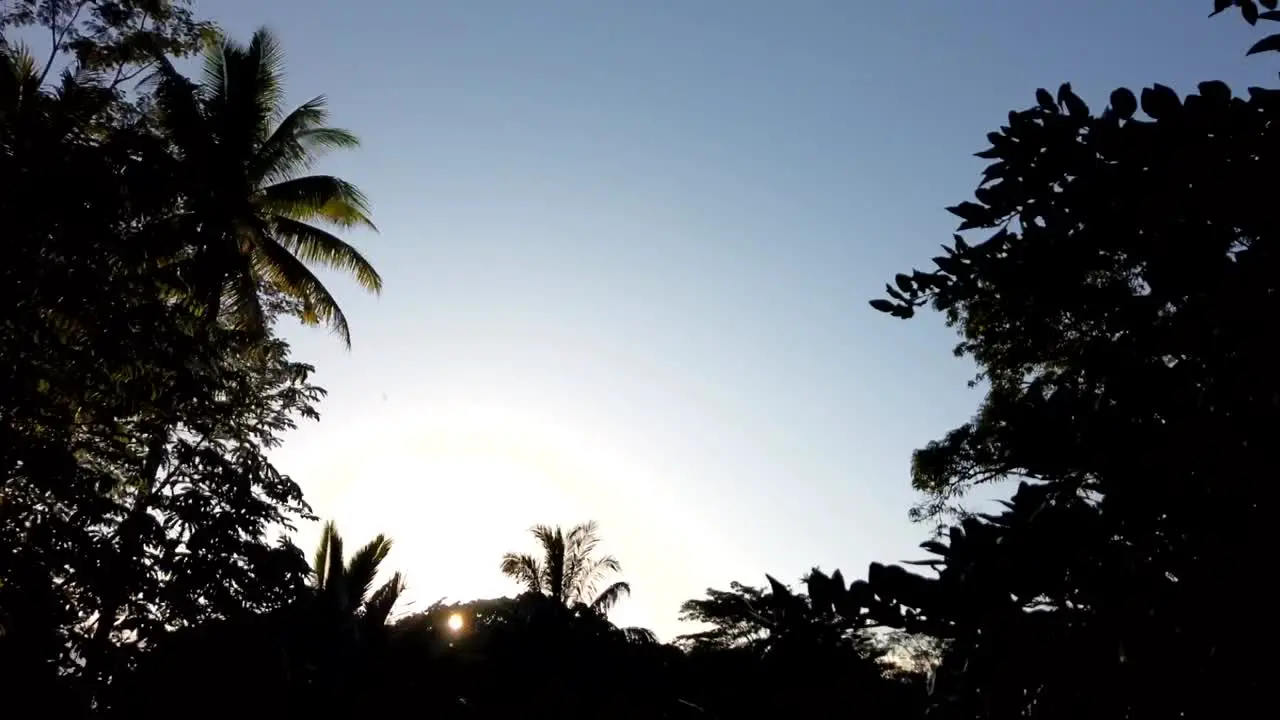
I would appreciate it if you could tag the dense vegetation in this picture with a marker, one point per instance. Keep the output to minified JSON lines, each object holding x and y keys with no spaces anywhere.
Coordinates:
{"x":1113,"y":284}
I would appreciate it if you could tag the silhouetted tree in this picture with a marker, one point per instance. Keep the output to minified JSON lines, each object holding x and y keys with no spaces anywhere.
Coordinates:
{"x":792,"y":647}
{"x":1117,"y":304}
{"x":136,"y":491}
{"x":118,"y":39}
{"x":248,"y":207}
{"x":349,"y":587}
{"x":532,"y":654}
{"x":568,"y":571}
{"x":765,"y":620}
{"x":328,"y":651}
{"x":1118,"y":311}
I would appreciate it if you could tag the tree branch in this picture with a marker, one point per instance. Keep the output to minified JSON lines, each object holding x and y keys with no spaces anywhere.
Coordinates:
{"x":56,"y":37}
{"x":119,"y":77}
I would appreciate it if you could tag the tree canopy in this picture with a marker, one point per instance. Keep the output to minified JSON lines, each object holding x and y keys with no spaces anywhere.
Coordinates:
{"x":1113,"y":278}
{"x":1117,"y":303}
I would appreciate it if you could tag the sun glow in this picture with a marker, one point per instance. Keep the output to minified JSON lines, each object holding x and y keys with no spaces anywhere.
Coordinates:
{"x":485,"y":472}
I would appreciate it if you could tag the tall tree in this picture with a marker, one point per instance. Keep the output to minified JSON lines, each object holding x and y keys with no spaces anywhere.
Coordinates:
{"x":1119,"y":309}
{"x":568,"y":571}
{"x":248,"y":206}
{"x":107,"y":542}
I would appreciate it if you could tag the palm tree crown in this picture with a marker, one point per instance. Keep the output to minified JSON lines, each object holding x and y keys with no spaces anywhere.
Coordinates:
{"x":568,"y":570}
{"x":346,"y":587}
{"x":250,"y":209}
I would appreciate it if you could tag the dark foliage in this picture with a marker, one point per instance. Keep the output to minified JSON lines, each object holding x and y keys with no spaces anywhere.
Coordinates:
{"x":118,"y":38}
{"x":1119,"y":309}
{"x":137,"y":497}
{"x":1114,"y":278}
{"x":794,"y":648}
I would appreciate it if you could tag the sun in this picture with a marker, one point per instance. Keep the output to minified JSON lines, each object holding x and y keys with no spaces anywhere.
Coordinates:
{"x":455,"y":622}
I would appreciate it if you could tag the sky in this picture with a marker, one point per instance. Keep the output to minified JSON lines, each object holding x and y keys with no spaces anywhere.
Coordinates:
{"x":628,"y":247}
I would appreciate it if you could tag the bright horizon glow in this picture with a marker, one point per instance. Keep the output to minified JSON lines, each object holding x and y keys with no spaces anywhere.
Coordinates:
{"x":455,"y":622}
{"x":456,"y":484}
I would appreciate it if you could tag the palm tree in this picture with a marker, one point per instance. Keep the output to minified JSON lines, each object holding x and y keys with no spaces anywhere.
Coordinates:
{"x":568,"y":572}
{"x":250,"y":209}
{"x":345,"y":588}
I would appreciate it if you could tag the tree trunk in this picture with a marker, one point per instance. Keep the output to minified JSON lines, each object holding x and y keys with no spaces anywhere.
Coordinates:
{"x":99,"y":660}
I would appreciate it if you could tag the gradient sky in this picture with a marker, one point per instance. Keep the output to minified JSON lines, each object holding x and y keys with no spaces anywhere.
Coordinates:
{"x":628,"y":247}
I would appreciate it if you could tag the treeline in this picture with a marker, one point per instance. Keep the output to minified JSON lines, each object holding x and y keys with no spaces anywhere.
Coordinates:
{"x":1115,"y":279}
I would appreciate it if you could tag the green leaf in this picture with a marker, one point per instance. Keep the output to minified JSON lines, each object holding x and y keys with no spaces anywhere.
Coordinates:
{"x":969,"y":211}
{"x":994,"y":171}
{"x":1269,"y":4}
{"x":1272,"y":15}
{"x":1250,"y":11}
{"x":778,"y":589}
{"x":1219,"y":6}
{"x":935,"y":547}
{"x":1269,"y":43}
{"x":884,"y":306}
{"x":1160,"y":102}
{"x":1123,"y":102}
{"x":1072,"y":102}
{"x":924,"y":280}
{"x":904,"y":283}
{"x":1216,"y":91}
{"x":1046,"y":100}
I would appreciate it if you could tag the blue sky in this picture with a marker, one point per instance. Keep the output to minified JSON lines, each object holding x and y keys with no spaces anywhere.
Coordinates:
{"x":628,"y":247}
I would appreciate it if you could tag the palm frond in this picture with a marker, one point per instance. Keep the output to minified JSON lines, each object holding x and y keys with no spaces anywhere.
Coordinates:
{"x":320,"y":563}
{"x":334,"y":571}
{"x":585,"y":571}
{"x":639,"y":636}
{"x":179,"y":103}
{"x":378,"y":607}
{"x":317,"y":141}
{"x":20,"y":85}
{"x":22,"y":63}
{"x":244,"y":92}
{"x":315,"y":246}
{"x":605,"y":601}
{"x":362,"y":569}
{"x":267,"y":58}
{"x":553,"y":562}
{"x":214,"y":62}
{"x":284,"y":153}
{"x":584,"y":532}
{"x":237,"y":299}
{"x":317,"y":198}
{"x":544,"y":534}
{"x":287,"y":273}
{"x":523,"y":569}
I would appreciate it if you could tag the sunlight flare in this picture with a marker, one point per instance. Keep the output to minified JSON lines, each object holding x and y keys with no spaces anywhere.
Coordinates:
{"x":455,"y":622}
